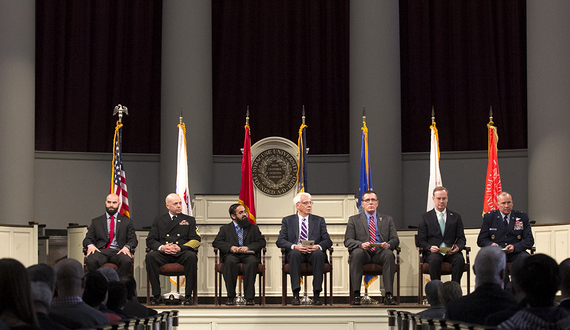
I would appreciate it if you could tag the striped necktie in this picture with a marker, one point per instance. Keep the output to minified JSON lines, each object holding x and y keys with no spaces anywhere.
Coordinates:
{"x":372,"y":231}
{"x":303,"y":236}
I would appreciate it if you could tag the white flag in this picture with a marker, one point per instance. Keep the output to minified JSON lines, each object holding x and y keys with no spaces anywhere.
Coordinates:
{"x":182,"y":171}
{"x":434,"y":174}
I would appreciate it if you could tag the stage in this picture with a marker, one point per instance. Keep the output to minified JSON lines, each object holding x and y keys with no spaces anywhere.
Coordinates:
{"x":278,"y":317}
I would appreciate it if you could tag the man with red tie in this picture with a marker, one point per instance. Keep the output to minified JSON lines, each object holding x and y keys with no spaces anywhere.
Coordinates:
{"x":110,"y":238}
{"x":371,"y":238}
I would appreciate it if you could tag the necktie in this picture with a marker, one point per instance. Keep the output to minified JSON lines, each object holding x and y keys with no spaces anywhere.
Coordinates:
{"x":442,"y":227}
{"x":173,"y":218}
{"x":240,"y":235}
{"x":506,"y":220}
{"x":372,"y":232}
{"x":111,"y":231}
{"x":303,"y":236}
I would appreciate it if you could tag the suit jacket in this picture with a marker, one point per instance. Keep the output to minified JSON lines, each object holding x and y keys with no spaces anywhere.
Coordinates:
{"x":357,"y":231}
{"x":289,"y":233}
{"x":163,"y":231}
{"x":429,"y":232}
{"x":487,"y":298}
{"x":518,"y":232}
{"x":227,"y":237}
{"x":98,"y":232}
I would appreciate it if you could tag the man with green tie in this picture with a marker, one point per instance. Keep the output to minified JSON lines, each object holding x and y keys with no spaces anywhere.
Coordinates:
{"x":441,"y":236}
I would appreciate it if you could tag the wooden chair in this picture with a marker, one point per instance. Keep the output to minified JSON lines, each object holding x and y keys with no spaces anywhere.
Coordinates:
{"x":445,"y":270}
{"x":372,"y":269}
{"x":306,"y":270}
{"x":173,"y":269}
{"x":218,"y":277}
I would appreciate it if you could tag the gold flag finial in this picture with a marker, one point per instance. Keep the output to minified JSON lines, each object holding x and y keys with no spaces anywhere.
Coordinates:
{"x":491,"y":113}
{"x":303,"y":115}
{"x":432,"y":114}
{"x":364,"y":114}
{"x":247,"y":116}
{"x":180,"y":118}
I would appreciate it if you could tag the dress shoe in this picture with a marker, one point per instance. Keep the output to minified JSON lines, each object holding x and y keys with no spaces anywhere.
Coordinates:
{"x":316,"y":301}
{"x":356,"y":301}
{"x":231,"y":301}
{"x":389,"y":300}
{"x":249,"y":302}
{"x":156,"y":300}
{"x":295,"y":301}
{"x":188,"y":301}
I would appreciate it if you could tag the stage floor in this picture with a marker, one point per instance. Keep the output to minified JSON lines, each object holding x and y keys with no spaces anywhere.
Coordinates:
{"x":278,"y":317}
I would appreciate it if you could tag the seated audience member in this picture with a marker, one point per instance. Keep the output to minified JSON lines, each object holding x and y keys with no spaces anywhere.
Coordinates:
{"x":565,"y":286}
{"x":539,"y":278}
{"x":133,"y":308}
{"x":16,"y":305}
{"x":95,"y":294}
{"x":109,"y":273}
{"x":43,"y":273}
{"x":70,"y":285}
{"x":501,"y":316}
{"x":42,"y":295}
{"x":117,"y":298}
{"x":448,"y":292}
{"x":489,"y":296}
{"x":436,"y":309}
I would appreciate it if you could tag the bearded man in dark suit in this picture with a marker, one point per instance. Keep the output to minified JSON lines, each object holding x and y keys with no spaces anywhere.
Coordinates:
{"x":102,"y":248}
{"x":304,"y":226}
{"x":442,"y":228}
{"x":238,"y":241}
{"x":173,"y":238}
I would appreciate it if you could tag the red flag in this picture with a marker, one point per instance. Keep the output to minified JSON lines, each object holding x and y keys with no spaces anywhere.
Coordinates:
{"x":246,"y":197}
{"x":493,"y":178}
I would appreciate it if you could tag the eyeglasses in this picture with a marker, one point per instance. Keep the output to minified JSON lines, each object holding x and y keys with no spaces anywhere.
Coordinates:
{"x":307,"y":203}
{"x":369,"y":200}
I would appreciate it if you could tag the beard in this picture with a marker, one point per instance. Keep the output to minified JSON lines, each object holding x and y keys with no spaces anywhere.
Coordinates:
{"x":244,"y":222}
{"x":111,"y":210}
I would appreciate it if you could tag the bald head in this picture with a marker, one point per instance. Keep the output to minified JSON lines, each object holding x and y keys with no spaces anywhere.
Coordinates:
{"x":112,"y":204}
{"x":174,"y":204}
{"x":69,"y":277}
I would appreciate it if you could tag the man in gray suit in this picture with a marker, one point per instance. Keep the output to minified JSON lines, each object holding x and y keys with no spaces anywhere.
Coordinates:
{"x":371,"y":238}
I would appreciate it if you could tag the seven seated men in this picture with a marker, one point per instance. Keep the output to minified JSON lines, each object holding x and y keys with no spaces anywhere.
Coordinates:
{"x":370,"y":237}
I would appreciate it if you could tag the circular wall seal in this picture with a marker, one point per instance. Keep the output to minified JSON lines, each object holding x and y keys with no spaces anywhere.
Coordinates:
{"x":274,"y":172}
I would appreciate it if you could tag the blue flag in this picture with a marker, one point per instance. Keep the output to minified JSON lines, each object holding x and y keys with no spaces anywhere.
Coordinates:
{"x":365,"y":184}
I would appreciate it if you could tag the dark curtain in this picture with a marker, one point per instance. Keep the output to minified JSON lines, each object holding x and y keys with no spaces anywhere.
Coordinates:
{"x":90,"y":56}
{"x":276,"y":56}
{"x":463,"y":57}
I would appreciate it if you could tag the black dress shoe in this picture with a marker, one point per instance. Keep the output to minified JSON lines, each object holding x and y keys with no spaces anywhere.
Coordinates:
{"x":188,"y":300}
{"x":356,"y":301}
{"x":389,"y":300}
{"x":249,"y":302}
{"x":156,"y":300}
{"x":295,"y":301}
{"x":316,"y":302}
{"x":231,"y":301}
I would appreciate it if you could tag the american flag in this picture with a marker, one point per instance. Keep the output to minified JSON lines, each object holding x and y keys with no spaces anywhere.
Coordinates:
{"x":119,"y":179}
